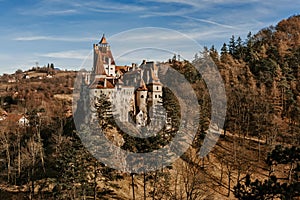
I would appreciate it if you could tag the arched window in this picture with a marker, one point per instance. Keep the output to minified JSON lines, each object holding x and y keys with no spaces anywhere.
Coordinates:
{"x":142,"y":96}
{"x":157,"y":88}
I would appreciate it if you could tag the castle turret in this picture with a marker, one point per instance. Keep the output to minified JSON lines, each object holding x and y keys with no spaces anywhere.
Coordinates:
{"x":141,"y":97}
{"x":104,"y":64}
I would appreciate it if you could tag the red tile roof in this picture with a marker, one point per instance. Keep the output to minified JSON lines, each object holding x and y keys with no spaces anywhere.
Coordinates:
{"x":142,"y":86}
{"x":99,"y":83}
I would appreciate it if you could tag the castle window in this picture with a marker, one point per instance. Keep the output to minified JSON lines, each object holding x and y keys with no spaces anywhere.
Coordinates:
{"x":142,"y":96}
{"x":157,"y":88}
{"x":155,"y":96}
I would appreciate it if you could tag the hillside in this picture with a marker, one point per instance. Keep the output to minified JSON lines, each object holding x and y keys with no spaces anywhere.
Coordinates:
{"x":256,"y":157}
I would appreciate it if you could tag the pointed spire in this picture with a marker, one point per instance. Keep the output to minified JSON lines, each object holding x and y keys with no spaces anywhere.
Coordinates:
{"x":103,"y":40}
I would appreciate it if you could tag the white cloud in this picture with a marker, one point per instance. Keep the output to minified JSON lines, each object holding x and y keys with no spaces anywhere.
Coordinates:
{"x":211,"y":22}
{"x":151,"y":43}
{"x":200,"y":4}
{"x":54,"y":7}
{"x":105,"y":6}
{"x":194,"y":3}
{"x":44,"y":11}
{"x":53,"y":38}
{"x":61,"y":12}
{"x":72,"y":54}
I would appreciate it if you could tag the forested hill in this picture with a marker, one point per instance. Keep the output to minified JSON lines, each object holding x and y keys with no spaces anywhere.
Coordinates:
{"x":262,"y":77}
{"x":262,"y":80}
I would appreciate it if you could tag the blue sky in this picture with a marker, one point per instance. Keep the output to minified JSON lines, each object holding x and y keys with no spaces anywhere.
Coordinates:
{"x":62,"y":32}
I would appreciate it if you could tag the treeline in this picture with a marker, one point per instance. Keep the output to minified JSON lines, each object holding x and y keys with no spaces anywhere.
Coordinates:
{"x":261,"y":74}
{"x":262,"y":79}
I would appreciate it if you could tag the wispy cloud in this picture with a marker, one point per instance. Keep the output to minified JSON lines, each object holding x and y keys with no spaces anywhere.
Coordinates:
{"x":53,"y":38}
{"x":200,"y":3}
{"x":193,"y":3}
{"x":210,"y":22}
{"x":53,"y":7}
{"x":79,"y":54}
{"x":152,"y":43}
{"x":105,"y":6}
{"x":61,"y":12}
{"x":47,"y":11}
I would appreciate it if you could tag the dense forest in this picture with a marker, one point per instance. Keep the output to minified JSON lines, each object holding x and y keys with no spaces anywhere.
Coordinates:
{"x":256,"y":157}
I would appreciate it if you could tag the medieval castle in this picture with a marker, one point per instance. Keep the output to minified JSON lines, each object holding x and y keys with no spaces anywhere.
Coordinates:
{"x":133,"y":90}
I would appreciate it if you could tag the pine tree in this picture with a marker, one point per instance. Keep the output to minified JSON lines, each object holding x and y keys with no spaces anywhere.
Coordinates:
{"x":224,"y":49}
{"x":239,"y":49}
{"x":232,"y":45}
{"x":104,"y":111}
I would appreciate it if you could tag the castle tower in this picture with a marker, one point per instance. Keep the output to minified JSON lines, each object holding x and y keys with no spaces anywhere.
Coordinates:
{"x":141,"y":97}
{"x":154,"y":86}
{"x":104,"y":64}
{"x":155,"y":91}
{"x":141,"y":104}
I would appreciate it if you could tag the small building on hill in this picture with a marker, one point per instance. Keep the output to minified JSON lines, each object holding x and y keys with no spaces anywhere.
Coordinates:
{"x":13,"y":120}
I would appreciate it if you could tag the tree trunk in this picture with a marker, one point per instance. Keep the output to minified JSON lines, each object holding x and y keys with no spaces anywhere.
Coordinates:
{"x":259,"y":149}
{"x":175,"y":185}
{"x":132,"y":185}
{"x":229,"y":178}
{"x":145,"y":186}
{"x":221,"y":178}
{"x":19,"y":154}
{"x":5,"y":143}
{"x":290,"y":172}
{"x":32,"y":172}
{"x":238,"y":175}
{"x":154,"y":185}
{"x":8,"y":162}
{"x":95,"y":181}
{"x":40,"y":146}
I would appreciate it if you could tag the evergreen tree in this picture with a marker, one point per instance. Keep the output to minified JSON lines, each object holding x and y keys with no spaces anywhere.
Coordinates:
{"x":232,"y":45}
{"x":214,"y":54}
{"x":224,"y":49}
{"x":104,"y":111}
{"x":239,"y":49}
